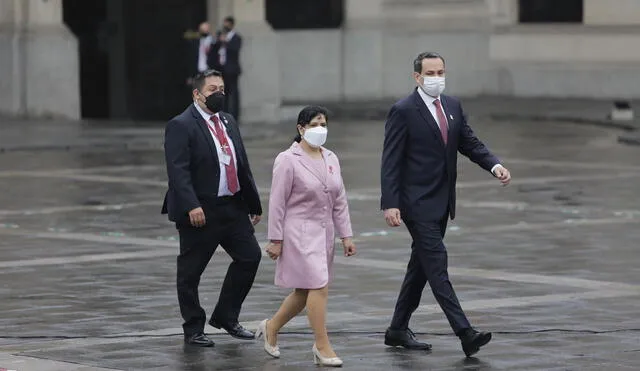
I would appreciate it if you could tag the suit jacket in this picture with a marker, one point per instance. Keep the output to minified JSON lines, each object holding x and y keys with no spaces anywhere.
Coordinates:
{"x":193,"y":52}
{"x":307,"y":207}
{"x":232,"y":63}
{"x":418,"y":172}
{"x":193,"y":166}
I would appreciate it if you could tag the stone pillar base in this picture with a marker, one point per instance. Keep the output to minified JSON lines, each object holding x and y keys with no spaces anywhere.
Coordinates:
{"x":260,"y":96}
{"x":39,"y":71}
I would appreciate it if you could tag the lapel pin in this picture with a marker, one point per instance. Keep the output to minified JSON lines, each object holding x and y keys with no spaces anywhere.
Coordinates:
{"x":451,"y":117}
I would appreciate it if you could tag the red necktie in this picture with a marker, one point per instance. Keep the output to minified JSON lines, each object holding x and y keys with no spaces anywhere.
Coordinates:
{"x":232,"y":175}
{"x":442,"y":120}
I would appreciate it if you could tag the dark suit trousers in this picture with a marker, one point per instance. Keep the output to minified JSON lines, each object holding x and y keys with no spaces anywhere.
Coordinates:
{"x":232,"y":101}
{"x":428,"y":263}
{"x":229,"y":226}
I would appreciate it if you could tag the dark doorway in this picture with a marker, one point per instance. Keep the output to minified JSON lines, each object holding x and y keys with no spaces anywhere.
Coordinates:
{"x":133,"y":55}
{"x":87,"y":20}
{"x":304,"y":14}
{"x":551,"y":11}
{"x":157,"y":55}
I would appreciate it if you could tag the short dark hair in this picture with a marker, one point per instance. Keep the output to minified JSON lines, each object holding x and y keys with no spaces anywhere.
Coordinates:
{"x":306,"y":115}
{"x":417,"y":63}
{"x":198,"y":79}
{"x":230,"y":19}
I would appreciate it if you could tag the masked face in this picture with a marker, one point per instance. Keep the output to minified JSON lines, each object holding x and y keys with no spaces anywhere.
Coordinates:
{"x":315,"y":136}
{"x":433,"y":85}
{"x":204,"y":29}
{"x":215,"y":101}
{"x":431,"y":78}
{"x":210,"y":96}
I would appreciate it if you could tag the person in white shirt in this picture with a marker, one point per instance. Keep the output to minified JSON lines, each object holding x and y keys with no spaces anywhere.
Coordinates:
{"x":423,"y":134}
{"x":213,"y":200}
{"x":199,"y":51}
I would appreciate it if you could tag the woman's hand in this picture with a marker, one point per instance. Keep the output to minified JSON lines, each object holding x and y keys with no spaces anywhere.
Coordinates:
{"x":349,"y":246}
{"x":274,"y":249}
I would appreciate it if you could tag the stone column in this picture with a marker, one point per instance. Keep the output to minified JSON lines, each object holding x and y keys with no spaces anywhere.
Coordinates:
{"x":363,"y":50}
{"x":503,"y":12}
{"x":39,"y":67}
{"x":260,"y":97}
{"x":612,"y":12}
{"x":11,"y":57}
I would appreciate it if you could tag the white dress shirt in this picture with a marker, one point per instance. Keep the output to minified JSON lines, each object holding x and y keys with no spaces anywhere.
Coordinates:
{"x":428,"y":101}
{"x":223,"y":187}
{"x":205,"y":43}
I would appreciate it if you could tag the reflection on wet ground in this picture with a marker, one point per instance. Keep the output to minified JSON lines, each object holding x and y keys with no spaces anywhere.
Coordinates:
{"x":88,"y":262}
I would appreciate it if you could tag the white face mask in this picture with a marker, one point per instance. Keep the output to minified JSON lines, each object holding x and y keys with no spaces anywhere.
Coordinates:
{"x":433,"y":85}
{"x":315,"y":136}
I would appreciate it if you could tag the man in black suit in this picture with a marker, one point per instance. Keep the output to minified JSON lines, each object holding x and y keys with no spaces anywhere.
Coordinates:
{"x":423,"y":134}
{"x":213,"y":200}
{"x":224,"y":56}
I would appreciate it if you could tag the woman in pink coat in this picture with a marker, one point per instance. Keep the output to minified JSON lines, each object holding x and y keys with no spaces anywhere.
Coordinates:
{"x":307,"y":208}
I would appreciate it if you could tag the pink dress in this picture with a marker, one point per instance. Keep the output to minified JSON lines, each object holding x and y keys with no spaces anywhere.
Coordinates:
{"x":307,"y":208}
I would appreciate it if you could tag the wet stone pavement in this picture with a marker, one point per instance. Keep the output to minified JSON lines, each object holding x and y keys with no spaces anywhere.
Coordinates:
{"x":549,"y":264}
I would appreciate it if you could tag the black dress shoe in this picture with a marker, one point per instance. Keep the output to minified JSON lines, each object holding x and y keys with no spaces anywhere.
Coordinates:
{"x":472,"y":340}
{"x":404,"y":338}
{"x":236,"y":330}
{"x":199,"y":340}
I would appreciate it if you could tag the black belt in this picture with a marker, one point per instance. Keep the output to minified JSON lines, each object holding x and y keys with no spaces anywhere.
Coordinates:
{"x":226,"y":199}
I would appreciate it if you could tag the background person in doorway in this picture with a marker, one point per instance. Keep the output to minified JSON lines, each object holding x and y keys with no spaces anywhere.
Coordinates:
{"x":199,"y":51}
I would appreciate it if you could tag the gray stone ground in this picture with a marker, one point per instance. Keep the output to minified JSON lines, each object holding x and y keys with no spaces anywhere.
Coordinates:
{"x":549,"y":264}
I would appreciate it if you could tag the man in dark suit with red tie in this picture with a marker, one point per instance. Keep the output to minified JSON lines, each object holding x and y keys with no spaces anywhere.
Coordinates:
{"x":423,"y":134}
{"x":213,"y":200}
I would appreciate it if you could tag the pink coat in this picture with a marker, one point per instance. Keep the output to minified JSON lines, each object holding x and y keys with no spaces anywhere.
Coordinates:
{"x":306,"y":210}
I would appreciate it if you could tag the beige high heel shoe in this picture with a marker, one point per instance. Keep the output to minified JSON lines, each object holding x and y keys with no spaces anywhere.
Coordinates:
{"x":318,"y":359}
{"x":273,"y":351}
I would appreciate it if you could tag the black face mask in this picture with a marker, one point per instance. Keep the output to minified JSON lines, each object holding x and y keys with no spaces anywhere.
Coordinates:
{"x":215,"y":102}
{"x":226,"y":29}
{"x":204,"y":34}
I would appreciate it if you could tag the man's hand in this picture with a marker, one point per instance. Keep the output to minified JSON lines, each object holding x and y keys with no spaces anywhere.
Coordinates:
{"x":392,"y":216}
{"x":502,"y":174}
{"x":274,"y":249}
{"x":255,"y":219}
{"x":349,"y":246}
{"x":196,"y":216}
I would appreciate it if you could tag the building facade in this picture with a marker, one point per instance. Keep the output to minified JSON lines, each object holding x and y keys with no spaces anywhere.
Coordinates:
{"x":529,"y":48}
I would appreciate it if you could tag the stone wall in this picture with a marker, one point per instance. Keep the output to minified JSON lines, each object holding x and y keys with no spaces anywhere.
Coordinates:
{"x":39,"y":65}
{"x":486,"y":50}
{"x":369,"y":58}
